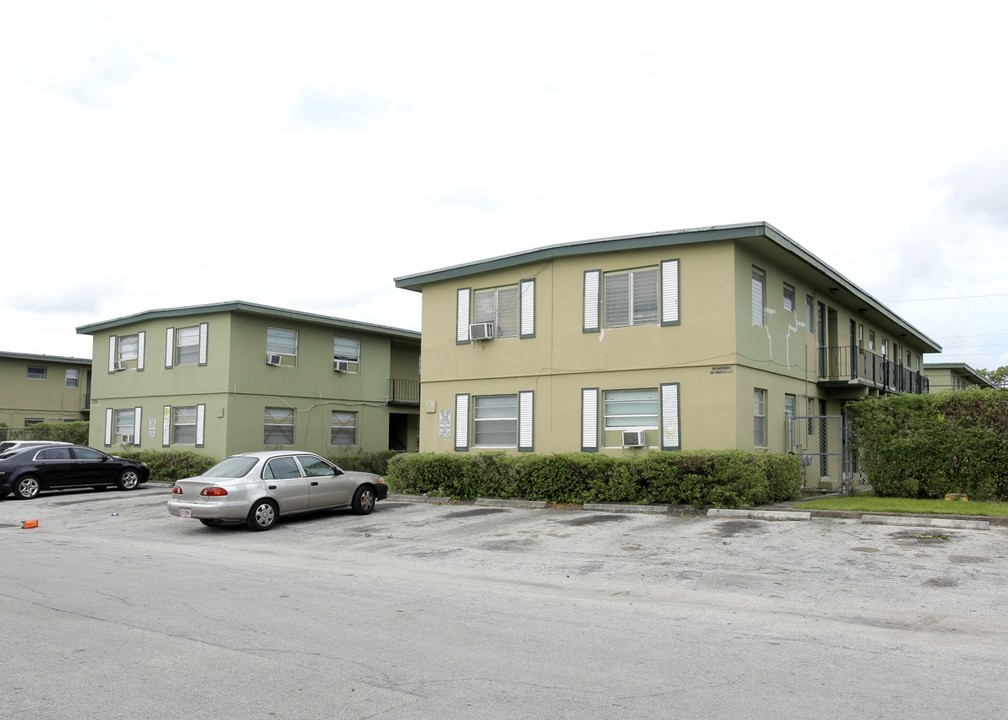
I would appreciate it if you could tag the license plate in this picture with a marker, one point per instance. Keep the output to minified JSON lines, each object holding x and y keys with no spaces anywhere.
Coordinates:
{"x":185,"y":513}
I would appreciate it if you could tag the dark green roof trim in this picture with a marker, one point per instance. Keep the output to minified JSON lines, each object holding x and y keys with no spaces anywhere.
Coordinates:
{"x":670,"y":238}
{"x":247,"y":308}
{"x":46,"y":358}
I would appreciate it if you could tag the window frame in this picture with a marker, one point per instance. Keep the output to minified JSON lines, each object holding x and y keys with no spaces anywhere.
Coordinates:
{"x":512,"y":309}
{"x":343,"y":428}
{"x":512,"y":420}
{"x":353,"y":359}
{"x":641,"y":309}
{"x":38,"y":372}
{"x":277,"y":422}
{"x":789,"y":297}
{"x":275,"y":347}
{"x":760,"y":418}
{"x":759,"y":281}
{"x":178,"y":357}
{"x":176,"y":424}
{"x":74,"y":374}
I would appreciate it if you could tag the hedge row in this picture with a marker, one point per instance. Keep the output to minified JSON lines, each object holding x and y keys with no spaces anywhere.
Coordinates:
{"x":925,"y":446}
{"x":170,"y":465}
{"x":729,"y":478}
{"x":75,"y":432}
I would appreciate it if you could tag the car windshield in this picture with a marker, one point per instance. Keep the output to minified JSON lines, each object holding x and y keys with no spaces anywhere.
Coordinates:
{"x":6,"y":445}
{"x":232,"y":467}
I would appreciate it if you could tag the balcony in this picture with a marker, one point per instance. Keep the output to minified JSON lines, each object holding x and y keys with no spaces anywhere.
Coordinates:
{"x":404,"y":392}
{"x":857,"y":366}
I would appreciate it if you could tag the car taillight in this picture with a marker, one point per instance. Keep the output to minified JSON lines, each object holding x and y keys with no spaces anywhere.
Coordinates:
{"x":213,"y":492}
{"x":176,"y":490}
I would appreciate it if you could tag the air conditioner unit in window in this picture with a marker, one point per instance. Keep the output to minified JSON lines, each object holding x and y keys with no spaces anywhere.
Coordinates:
{"x":126,"y":439}
{"x":633,"y":438}
{"x":481,"y":331}
{"x":273,"y":358}
{"x":119,"y":365}
{"x":341,"y":366}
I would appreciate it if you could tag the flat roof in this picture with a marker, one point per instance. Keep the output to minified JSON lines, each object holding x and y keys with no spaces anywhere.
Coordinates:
{"x":45,"y":358}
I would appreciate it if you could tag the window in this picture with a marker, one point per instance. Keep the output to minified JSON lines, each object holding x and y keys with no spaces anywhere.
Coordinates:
{"x":622,"y":409}
{"x":860,"y":336}
{"x":344,"y":428}
{"x":759,"y":417}
{"x":281,"y":468}
{"x":630,"y":298}
{"x":788,"y":298}
{"x":72,"y":377}
{"x":184,"y":425}
{"x":498,"y":306}
{"x":885,"y":347}
{"x":187,"y":346}
{"x":284,"y":343}
{"x":809,"y":304}
{"x":123,"y":422}
{"x":278,"y":426}
{"x":128,"y":347}
{"x":37,"y":372}
{"x":33,"y":421}
{"x":347,"y":350}
{"x":315,"y":467}
{"x":871,"y":340}
{"x":495,"y":420}
{"x":758,"y":297}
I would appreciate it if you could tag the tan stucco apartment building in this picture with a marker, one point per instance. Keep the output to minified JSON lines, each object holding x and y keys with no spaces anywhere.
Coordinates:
{"x":712,"y":338}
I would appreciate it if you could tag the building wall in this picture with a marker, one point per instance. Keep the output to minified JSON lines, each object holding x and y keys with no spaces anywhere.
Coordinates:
{"x":48,"y":399}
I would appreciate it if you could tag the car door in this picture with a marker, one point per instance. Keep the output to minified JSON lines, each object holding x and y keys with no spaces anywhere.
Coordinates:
{"x":92,"y":467}
{"x":327,"y":485}
{"x":285,"y":482}
{"x":55,"y":467}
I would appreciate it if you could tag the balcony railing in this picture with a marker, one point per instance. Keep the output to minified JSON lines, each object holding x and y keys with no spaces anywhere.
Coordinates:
{"x":404,"y":392}
{"x":859,"y":366}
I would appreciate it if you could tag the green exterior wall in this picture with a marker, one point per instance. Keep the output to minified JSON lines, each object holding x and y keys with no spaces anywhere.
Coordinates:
{"x":24,"y":398}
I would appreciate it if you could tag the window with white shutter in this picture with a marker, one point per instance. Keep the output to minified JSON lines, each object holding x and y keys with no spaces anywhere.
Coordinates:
{"x":589,"y":419}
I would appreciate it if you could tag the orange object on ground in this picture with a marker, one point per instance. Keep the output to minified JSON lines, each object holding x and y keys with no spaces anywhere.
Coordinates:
{"x":26,"y":524}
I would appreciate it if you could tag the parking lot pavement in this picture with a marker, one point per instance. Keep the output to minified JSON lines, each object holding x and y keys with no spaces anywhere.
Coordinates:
{"x":475,"y":610}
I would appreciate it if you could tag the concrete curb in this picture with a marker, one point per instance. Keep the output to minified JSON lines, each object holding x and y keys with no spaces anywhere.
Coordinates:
{"x":501,"y":502}
{"x":622,"y":508}
{"x":904,"y":520}
{"x":760,"y":514}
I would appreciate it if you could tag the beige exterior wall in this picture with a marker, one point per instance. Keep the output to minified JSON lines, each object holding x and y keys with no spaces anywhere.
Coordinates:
{"x":26,"y":397}
{"x":716,"y":355}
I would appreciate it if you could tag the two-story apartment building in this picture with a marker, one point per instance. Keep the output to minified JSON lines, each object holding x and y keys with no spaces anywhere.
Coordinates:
{"x":237,"y":376}
{"x":43,"y":388}
{"x":943,"y":377}
{"x":723,"y":337}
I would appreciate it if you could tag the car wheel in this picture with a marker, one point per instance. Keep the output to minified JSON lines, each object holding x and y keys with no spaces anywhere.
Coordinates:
{"x":128,"y":480}
{"x":363,"y":500}
{"x":26,"y":488}
{"x":262,"y":516}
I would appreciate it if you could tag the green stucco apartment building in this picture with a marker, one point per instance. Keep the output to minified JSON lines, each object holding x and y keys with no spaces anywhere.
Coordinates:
{"x":723,"y":337}
{"x":43,"y":389}
{"x":236,"y":376}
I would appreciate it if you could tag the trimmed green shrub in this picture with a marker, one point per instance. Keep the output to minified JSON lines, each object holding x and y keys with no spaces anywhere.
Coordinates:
{"x":171,"y":465}
{"x":75,"y":432}
{"x":364,"y":461}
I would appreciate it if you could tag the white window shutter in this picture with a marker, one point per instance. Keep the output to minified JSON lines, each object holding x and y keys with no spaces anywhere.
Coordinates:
{"x":670,"y":292}
{"x":137,"y":425}
{"x":141,"y":337}
{"x":108,"y":426}
{"x":204,"y":330}
{"x":462,"y":316}
{"x":111,"y":353}
{"x":166,"y":427}
{"x":461,"y":422}
{"x":589,"y":419}
{"x":591,"y":300}
{"x":525,"y":407}
{"x":670,"y":439}
{"x":200,"y":424}
{"x":527,"y":308}
{"x":169,"y":343}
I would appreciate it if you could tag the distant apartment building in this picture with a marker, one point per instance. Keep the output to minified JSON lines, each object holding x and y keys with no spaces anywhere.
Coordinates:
{"x":943,"y":377}
{"x":43,"y":389}
{"x":237,"y":376}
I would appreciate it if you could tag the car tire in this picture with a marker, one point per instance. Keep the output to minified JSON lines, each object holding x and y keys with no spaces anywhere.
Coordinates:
{"x":128,"y":480}
{"x":364,"y":500}
{"x":262,"y":516}
{"x":27,"y":487}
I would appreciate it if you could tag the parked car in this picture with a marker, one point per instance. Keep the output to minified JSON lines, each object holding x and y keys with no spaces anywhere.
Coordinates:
{"x":258,"y":487}
{"x":8,"y":445}
{"x":28,"y":471}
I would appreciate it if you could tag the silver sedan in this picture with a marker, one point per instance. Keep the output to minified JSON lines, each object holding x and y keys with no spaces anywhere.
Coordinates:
{"x":257,"y":488}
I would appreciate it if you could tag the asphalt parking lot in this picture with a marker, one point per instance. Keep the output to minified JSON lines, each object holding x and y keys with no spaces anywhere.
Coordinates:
{"x":452,"y":610}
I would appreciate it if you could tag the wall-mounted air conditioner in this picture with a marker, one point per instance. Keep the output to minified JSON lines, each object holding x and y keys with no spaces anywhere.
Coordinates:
{"x":633,"y":438}
{"x":119,"y":365}
{"x":341,"y":366}
{"x":481,"y":331}
{"x":126,"y":439}
{"x":273,"y":358}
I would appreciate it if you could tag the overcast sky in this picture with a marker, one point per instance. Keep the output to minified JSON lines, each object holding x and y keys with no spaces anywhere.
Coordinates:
{"x":304,"y":154}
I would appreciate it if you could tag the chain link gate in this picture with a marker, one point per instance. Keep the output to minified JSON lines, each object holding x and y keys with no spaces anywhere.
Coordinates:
{"x":822,"y":445}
